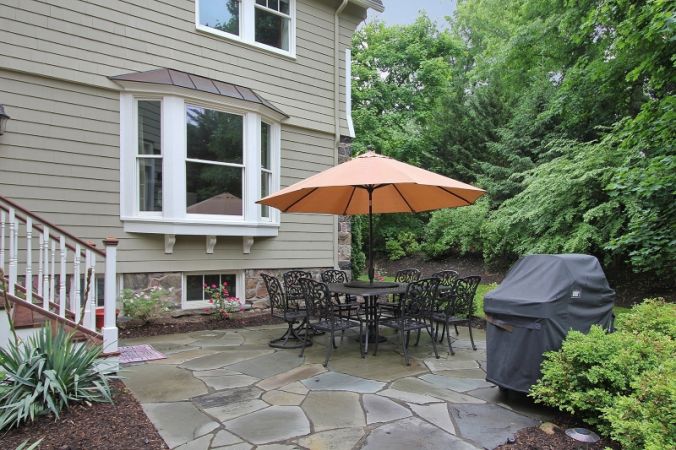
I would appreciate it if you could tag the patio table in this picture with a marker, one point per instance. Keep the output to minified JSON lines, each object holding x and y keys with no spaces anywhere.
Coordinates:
{"x":370,"y":294}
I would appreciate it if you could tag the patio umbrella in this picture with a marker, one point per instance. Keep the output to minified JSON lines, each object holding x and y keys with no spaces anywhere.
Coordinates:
{"x":373,"y":183}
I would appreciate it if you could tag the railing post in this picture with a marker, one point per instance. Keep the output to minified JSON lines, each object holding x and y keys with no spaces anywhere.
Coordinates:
{"x":29,"y":260}
{"x":109,"y":330}
{"x":13,"y":232}
{"x":2,"y":240}
{"x":75,"y":297}
{"x":62,"y":276}
{"x":45,"y":267}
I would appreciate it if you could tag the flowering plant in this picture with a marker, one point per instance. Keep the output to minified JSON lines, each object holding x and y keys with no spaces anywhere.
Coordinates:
{"x":144,"y":304}
{"x":223,"y":302}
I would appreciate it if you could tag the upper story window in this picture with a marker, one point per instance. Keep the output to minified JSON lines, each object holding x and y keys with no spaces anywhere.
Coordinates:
{"x":268,"y":24}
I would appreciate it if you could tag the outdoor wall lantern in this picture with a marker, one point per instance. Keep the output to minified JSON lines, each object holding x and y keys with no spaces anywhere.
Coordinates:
{"x":3,"y":119}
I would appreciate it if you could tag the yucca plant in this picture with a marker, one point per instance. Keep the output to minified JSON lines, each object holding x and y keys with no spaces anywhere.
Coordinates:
{"x":47,"y":372}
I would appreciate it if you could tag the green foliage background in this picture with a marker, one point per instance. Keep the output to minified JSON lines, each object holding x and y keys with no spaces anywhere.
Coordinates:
{"x":563,"y":111}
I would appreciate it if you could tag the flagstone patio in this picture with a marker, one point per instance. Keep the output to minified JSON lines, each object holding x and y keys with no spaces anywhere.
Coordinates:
{"x":226,"y":389}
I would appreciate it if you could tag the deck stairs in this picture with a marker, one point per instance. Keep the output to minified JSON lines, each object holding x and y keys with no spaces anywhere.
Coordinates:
{"x":47,"y":275}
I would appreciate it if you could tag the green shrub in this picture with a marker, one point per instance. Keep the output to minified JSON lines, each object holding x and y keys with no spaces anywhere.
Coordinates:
{"x":403,"y":244}
{"x":46,"y":373}
{"x":143,"y":304}
{"x":646,"y":419}
{"x":654,"y":314}
{"x":591,"y":370}
{"x":455,"y":229}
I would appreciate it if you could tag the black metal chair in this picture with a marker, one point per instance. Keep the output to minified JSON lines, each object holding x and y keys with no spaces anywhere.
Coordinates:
{"x":279,"y":309}
{"x":322,"y":316}
{"x":391,"y":306}
{"x":458,"y":309}
{"x":349,"y":304}
{"x":293,"y":289}
{"x":415,"y":314}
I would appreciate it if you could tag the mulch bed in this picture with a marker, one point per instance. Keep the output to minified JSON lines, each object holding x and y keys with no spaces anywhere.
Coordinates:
{"x":187,"y":324}
{"x":121,"y":425}
{"x":534,"y":438}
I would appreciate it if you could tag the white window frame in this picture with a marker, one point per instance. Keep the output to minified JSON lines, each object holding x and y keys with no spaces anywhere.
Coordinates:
{"x":137,"y":209}
{"x":196,"y":304}
{"x":247,"y":26}
{"x":174,"y":219}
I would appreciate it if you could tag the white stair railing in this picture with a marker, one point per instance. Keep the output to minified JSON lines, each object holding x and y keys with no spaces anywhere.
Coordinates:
{"x":56,"y":286}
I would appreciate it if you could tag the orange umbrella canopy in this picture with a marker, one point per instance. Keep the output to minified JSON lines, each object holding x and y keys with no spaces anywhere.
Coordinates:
{"x":395,"y":187}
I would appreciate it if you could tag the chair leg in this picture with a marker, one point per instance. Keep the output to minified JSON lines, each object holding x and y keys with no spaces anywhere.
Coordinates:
{"x":417,"y":339}
{"x":329,"y":349}
{"x":456,"y":329}
{"x":450,"y":347}
{"x":302,"y":351}
{"x":434,"y":343}
{"x":444,"y":330}
{"x":471,"y":338}
{"x":362,"y":342}
{"x":375,"y":352}
{"x":404,"y":345}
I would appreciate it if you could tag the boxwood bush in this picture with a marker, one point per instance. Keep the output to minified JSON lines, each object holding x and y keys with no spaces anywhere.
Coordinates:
{"x":623,"y":383}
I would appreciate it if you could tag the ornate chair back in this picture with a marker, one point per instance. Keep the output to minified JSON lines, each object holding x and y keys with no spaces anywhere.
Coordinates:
{"x":407,"y":275}
{"x":334,"y":276}
{"x":294,"y":291}
{"x":419,"y":300}
{"x":462,"y":302}
{"x":317,"y":299}
{"x":446,"y":277}
{"x":275,"y":293}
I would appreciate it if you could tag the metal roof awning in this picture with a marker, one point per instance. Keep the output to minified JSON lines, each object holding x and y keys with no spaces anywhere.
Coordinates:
{"x":172,"y":77}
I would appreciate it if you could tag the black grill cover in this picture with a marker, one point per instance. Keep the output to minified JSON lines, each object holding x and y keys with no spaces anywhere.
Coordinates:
{"x":541,"y":298}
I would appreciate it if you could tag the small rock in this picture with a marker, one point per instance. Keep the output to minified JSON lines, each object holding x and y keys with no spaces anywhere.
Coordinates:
{"x":549,"y":428}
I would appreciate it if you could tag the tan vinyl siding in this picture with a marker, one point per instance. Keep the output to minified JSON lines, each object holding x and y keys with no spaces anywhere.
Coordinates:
{"x":86,"y":42}
{"x":60,"y":159}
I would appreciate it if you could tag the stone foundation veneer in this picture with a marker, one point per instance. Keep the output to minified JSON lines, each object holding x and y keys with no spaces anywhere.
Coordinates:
{"x":344,"y":222}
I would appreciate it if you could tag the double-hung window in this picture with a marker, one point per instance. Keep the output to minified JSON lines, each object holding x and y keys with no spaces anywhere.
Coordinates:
{"x":149,"y":156}
{"x":268,"y":24}
{"x":266,"y":167}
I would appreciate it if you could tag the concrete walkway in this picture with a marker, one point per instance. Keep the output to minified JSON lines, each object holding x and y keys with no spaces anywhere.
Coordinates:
{"x":226,"y":389}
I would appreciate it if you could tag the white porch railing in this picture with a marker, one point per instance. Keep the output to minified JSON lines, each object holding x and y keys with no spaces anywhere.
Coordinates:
{"x":57,"y":271}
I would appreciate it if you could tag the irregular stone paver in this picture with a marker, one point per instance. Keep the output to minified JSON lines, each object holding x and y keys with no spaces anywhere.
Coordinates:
{"x":409,"y":397}
{"x":277,"y":447}
{"x":413,"y":433}
{"x":151,"y":383}
{"x":227,"y":397}
{"x":380,"y":409}
{"x":240,"y":446}
{"x":437,"y":414}
{"x":334,"y":381}
{"x":276,"y":423}
{"x":328,"y":410}
{"x":384,"y":367}
{"x":214,"y":373}
{"x":268,"y":365}
{"x":455,"y":384}
{"x":207,"y":334}
{"x":179,"y":422}
{"x":282,"y":398}
{"x":223,"y":438}
{"x":234,"y":410}
{"x":437,"y":365}
{"x":228,"y":381}
{"x":515,"y":401}
{"x":418,"y":386}
{"x":169,"y":348}
{"x":181,"y":357}
{"x":197,"y":444}
{"x":295,"y":388}
{"x":341,"y":439}
{"x":295,"y":374}
{"x":229,"y":340}
{"x":160,"y":339}
{"x":464,"y":373}
{"x":488,"y":425}
{"x":223,"y":359}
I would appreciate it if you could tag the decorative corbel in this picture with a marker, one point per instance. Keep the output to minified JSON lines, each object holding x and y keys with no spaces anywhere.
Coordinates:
{"x":211,"y":243}
{"x":247,"y":242}
{"x":169,"y":241}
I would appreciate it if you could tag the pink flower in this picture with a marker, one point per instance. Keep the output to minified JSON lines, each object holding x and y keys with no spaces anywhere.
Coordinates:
{"x":211,"y":301}
{"x":225,"y":283}
{"x":205,"y":285}
{"x":213,"y":286}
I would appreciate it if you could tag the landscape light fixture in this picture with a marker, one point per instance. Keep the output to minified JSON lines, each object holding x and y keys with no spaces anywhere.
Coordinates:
{"x":3,"y":119}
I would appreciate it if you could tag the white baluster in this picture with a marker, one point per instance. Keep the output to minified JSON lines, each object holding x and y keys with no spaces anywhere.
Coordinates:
{"x":13,"y":231}
{"x":29,"y":260}
{"x":75,"y":297}
{"x":52,"y":272}
{"x":109,"y":330}
{"x":45,"y":268}
{"x":89,"y":283}
{"x":91,"y":324}
{"x":62,"y":277}
{"x":2,"y":239}
{"x":41,"y":256}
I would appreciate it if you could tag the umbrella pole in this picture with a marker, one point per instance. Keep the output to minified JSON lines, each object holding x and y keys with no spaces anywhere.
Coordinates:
{"x":371,"y":271}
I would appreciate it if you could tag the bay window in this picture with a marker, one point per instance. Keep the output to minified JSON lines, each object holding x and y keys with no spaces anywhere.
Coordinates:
{"x":196,"y":167}
{"x":268,"y":24}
